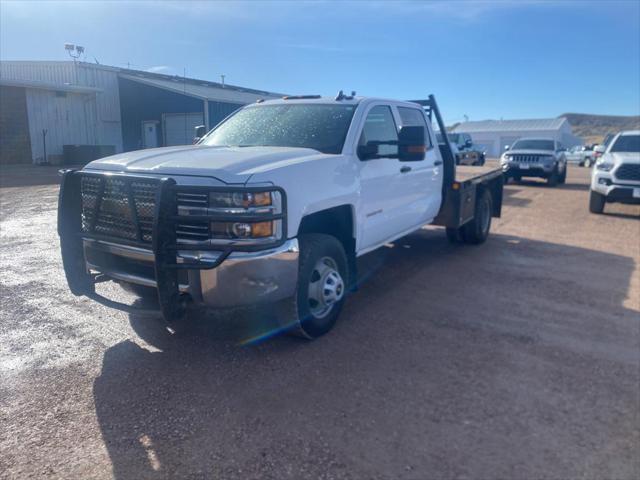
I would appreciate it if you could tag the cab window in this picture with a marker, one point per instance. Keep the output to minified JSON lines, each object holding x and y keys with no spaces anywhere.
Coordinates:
{"x":412,"y":117}
{"x":380,"y":126}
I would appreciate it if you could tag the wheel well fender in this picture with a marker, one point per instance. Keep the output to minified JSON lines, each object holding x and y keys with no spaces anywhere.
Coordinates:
{"x":336,"y":221}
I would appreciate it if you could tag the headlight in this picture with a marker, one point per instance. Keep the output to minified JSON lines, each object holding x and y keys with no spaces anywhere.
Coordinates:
{"x":240,"y":199}
{"x":505,"y":158}
{"x":237,"y":217}
{"x":604,"y":166}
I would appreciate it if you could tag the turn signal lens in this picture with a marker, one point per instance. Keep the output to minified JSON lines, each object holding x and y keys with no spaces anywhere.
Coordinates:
{"x":261,"y":199}
{"x":262,"y":229}
{"x":232,"y":230}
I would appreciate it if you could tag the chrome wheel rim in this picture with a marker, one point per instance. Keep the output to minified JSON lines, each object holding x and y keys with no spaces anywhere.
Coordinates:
{"x":326,"y":287}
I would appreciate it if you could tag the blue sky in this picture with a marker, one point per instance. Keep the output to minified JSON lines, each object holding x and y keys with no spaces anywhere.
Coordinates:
{"x":500,"y":59}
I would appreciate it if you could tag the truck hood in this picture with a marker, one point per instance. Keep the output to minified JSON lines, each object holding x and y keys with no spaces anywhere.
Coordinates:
{"x":621,"y":157}
{"x":227,"y":164}
{"x":530,"y":152}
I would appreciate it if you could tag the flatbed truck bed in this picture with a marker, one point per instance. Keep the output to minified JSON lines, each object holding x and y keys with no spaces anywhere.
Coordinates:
{"x":463,"y":185}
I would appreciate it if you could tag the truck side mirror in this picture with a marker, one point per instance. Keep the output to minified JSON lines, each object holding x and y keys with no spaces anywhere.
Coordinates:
{"x":200,"y":131}
{"x":368,"y":151}
{"x":506,"y":147}
{"x":411,"y":144}
{"x":468,"y":143}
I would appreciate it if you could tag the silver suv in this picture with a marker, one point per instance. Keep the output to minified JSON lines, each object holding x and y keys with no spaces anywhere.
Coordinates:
{"x":535,"y":157}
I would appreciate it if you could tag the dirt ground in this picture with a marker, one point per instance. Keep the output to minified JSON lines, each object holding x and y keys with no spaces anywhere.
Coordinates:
{"x":517,"y":359}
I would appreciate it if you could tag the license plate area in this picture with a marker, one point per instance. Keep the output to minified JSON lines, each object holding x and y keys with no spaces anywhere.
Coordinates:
{"x":524,"y":166}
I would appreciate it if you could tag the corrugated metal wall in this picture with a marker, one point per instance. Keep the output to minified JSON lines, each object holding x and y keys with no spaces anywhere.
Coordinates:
{"x":68,"y":120}
{"x":92,"y":119}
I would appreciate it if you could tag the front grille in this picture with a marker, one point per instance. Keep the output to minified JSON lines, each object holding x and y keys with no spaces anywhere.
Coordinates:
{"x":111,"y":206}
{"x":628,"y":171}
{"x":526,"y":158}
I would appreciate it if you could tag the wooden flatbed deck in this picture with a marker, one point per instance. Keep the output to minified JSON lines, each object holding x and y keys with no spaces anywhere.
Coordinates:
{"x":467,"y":173}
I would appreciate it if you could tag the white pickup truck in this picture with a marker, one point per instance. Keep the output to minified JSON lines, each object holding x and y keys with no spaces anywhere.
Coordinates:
{"x":616,"y":177}
{"x":273,"y":205}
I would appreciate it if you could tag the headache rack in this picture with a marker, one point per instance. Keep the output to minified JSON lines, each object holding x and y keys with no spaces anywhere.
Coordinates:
{"x":143,"y":212}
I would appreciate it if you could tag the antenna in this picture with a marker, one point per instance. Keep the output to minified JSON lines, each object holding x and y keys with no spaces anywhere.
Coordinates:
{"x":222,"y":78}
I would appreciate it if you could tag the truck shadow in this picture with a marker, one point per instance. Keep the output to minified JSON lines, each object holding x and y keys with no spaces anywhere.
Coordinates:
{"x":511,"y":198}
{"x":440,"y":334}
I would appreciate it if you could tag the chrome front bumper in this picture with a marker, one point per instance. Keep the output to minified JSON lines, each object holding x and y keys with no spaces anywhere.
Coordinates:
{"x":241,"y":279}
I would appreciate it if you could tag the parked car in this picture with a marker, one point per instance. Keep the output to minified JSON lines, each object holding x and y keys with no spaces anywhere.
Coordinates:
{"x":273,"y":205}
{"x":535,"y":157}
{"x":616,"y":176}
{"x":581,"y":155}
{"x":465,"y":151}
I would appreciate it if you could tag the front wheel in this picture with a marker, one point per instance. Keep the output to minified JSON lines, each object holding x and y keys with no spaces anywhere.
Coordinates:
{"x":323,"y":277}
{"x":587,"y":162}
{"x":563,"y":177}
{"x":553,"y":178}
{"x":596,"y":202}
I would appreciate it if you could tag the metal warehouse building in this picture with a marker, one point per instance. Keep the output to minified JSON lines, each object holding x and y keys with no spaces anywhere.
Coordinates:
{"x":75,"y":111}
{"x":493,"y":135}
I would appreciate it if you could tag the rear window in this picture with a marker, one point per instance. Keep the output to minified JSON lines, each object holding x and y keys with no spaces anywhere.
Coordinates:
{"x":412,"y":117}
{"x":626,"y":143}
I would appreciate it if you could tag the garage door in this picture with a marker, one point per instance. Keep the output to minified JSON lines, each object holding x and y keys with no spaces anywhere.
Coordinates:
{"x":178,"y":128}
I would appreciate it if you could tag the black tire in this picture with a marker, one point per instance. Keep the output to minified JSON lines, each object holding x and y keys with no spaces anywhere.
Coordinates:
{"x":321,"y":257}
{"x":596,"y":202}
{"x":563,"y":178}
{"x":477,"y":230}
{"x":454,"y":235}
{"x":553,"y":178}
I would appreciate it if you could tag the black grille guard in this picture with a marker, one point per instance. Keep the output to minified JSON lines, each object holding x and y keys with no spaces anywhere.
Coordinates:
{"x":172,"y":303}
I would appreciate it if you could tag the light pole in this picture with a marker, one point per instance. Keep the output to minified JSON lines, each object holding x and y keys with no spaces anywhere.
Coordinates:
{"x":74,"y":52}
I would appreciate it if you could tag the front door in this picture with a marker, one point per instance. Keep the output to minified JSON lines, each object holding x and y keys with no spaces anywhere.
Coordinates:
{"x":383,"y":198}
{"x":150,"y":134}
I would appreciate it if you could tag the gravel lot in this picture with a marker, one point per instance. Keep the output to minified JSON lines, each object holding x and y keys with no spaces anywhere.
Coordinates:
{"x":516,"y":359}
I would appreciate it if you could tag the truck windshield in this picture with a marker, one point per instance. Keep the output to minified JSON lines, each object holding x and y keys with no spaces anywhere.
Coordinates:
{"x":533,"y":145}
{"x":626,"y":143}
{"x":320,"y":127}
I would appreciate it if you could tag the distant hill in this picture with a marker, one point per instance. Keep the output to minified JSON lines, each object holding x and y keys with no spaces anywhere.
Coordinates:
{"x":593,"y":128}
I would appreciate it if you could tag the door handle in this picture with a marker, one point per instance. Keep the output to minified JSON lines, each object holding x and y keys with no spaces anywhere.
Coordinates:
{"x":405,"y":169}
{"x":437,"y":162}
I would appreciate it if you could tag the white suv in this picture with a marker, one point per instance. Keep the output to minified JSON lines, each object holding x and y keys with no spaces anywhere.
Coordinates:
{"x":616,"y":176}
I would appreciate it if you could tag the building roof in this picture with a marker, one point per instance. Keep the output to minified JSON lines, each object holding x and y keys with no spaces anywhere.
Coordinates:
{"x":58,"y":87}
{"x":511,"y":125}
{"x":198,"y":88}
{"x":59,"y":74}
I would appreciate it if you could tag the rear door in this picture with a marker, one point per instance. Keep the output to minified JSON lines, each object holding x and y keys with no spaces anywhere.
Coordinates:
{"x":421,"y":181}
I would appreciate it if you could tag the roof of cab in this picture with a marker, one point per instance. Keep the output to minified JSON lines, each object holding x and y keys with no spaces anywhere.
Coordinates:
{"x":333,"y":101}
